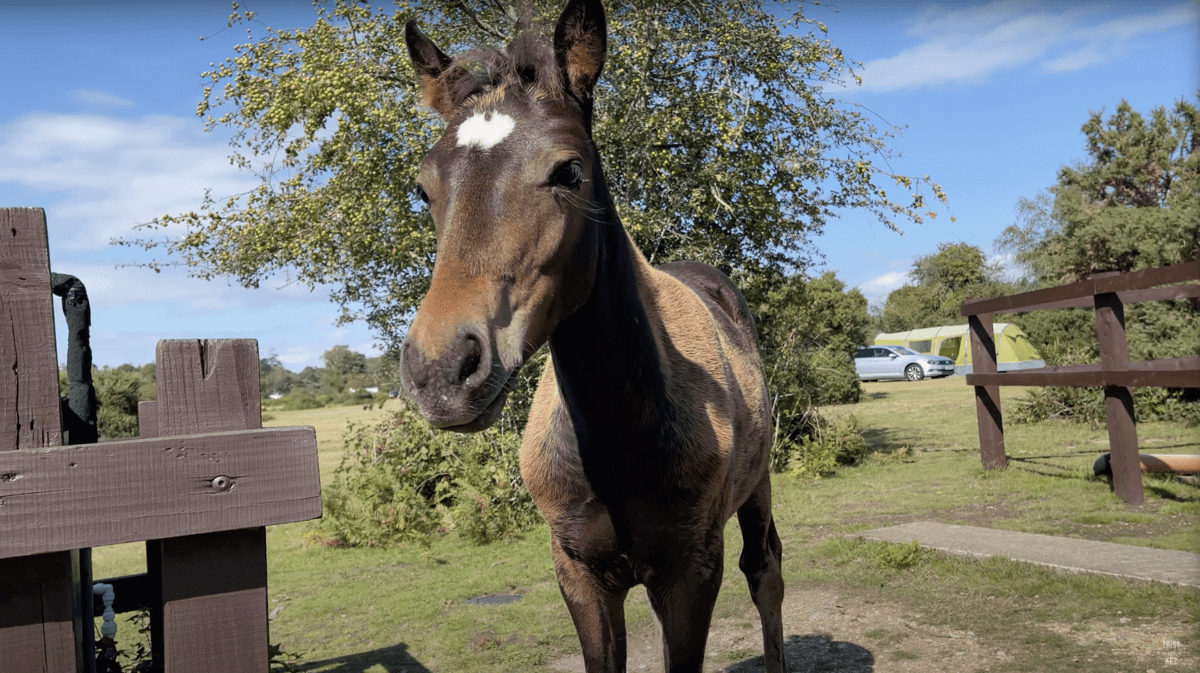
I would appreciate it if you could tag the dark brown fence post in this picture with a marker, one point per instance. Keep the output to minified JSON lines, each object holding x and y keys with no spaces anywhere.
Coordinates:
{"x":213,"y":586}
{"x":987,"y":398}
{"x":1118,"y":400}
{"x":38,"y":626}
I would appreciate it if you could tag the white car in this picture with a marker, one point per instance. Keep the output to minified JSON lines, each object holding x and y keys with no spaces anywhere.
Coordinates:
{"x":873,"y":363}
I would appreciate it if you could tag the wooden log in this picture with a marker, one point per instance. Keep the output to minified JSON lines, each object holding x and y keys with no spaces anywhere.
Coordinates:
{"x":40,"y":619}
{"x":1169,"y":464}
{"x":1153,"y":463}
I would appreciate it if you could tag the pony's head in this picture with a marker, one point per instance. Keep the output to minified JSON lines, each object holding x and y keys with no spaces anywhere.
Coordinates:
{"x":513,"y":189}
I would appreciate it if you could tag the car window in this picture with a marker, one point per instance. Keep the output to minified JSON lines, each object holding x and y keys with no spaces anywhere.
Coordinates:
{"x":864,"y":353}
{"x":904,"y":351}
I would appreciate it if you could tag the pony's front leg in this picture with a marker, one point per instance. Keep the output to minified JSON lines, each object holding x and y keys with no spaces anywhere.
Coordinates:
{"x":598,"y":612}
{"x":682,"y":598}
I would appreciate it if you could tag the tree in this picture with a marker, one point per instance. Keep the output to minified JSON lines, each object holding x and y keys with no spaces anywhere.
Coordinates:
{"x":940,"y":283}
{"x":720,"y":143}
{"x":342,"y":365}
{"x":1134,"y":203}
{"x":808,"y":330}
{"x":117,"y":396}
{"x":273,"y":377}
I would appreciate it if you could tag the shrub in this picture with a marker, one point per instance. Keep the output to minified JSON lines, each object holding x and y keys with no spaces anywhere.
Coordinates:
{"x":826,"y":445}
{"x":299,"y":398}
{"x":401,"y":481}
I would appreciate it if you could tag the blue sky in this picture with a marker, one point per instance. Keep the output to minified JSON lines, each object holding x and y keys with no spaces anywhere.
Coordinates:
{"x":98,"y":126}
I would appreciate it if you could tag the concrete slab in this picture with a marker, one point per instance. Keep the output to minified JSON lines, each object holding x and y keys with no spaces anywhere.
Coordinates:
{"x":1106,"y":558}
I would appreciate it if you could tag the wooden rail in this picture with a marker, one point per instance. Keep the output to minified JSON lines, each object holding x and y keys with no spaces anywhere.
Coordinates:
{"x":1107,"y":294}
{"x":198,"y":486}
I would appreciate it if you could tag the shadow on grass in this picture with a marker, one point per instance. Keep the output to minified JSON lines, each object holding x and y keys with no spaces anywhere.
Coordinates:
{"x":887,"y":440}
{"x":394,"y":659}
{"x":812,"y":653}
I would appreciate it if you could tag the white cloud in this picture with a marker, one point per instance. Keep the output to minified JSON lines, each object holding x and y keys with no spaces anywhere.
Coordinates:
{"x":970,"y":44}
{"x":96,"y":98}
{"x":877,"y":289}
{"x":123,"y":287}
{"x":104,"y":175}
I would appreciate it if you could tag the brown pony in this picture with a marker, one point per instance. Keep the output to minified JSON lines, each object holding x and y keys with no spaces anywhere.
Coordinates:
{"x":650,"y":427}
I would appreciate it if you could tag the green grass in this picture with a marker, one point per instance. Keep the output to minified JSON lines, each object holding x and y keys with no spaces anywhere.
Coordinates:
{"x":379,"y":610}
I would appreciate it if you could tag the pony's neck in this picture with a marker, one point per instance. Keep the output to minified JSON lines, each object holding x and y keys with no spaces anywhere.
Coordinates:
{"x":605,"y":355}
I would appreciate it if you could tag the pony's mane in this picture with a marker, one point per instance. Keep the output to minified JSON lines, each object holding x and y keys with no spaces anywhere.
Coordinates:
{"x":527,"y":65}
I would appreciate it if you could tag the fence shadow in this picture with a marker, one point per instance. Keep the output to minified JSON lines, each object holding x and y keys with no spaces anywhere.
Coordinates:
{"x":816,"y":653}
{"x":394,"y":659}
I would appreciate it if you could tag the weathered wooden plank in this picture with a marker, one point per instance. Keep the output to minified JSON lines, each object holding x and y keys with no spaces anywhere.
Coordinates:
{"x":1118,"y":400}
{"x":987,"y":398}
{"x":207,"y":385}
{"x":1085,"y":289}
{"x":100,"y":494}
{"x":39,"y":627}
{"x":29,"y":402}
{"x":38,"y":618}
{"x":1127,"y":297}
{"x":214,"y":593}
{"x":148,"y":419}
{"x":213,"y":607}
{"x":1165,"y":373}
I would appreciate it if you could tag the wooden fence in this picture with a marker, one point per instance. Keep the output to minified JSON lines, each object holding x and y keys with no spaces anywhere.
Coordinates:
{"x":1107,"y":293}
{"x":198,"y":487}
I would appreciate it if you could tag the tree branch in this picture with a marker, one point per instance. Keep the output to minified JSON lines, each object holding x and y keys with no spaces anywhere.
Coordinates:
{"x":478,"y":21}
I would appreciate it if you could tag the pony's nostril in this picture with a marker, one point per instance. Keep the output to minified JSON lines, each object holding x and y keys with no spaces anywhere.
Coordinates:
{"x":418,"y":375}
{"x":471,"y":359}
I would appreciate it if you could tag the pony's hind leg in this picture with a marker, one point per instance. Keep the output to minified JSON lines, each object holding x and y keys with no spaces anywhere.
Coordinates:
{"x":762,"y":554}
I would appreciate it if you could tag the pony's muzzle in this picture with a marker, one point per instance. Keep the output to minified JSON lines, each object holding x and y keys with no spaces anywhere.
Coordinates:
{"x":455,"y":387}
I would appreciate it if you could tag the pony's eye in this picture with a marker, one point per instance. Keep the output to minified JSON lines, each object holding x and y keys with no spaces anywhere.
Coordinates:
{"x":422,"y":195}
{"x":567,"y":175}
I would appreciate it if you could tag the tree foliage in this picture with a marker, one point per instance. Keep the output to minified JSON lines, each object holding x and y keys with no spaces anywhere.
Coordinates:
{"x":940,"y":282}
{"x":720,"y":141}
{"x":808,"y":330}
{"x":1134,"y":203}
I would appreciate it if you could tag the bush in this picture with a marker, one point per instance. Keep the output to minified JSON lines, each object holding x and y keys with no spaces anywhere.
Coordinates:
{"x":1086,"y":405}
{"x":826,"y":445}
{"x":299,"y":399}
{"x":401,"y":481}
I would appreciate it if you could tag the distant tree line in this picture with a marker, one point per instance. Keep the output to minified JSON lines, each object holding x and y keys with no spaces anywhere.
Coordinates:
{"x":348,"y":377}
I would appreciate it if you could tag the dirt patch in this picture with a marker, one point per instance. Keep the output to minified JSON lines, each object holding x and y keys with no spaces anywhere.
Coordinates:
{"x":1148,"y":641}
{"x":825,"y":631}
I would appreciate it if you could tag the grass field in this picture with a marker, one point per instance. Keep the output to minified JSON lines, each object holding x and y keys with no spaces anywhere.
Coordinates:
{"x":392,"y":610}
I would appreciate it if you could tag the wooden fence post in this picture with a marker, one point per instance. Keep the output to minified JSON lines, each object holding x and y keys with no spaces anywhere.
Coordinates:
{"x":1118,"y":400}
{"x":209,"y":583}
{"x":39,"y":628}
{"x":987,"y":398}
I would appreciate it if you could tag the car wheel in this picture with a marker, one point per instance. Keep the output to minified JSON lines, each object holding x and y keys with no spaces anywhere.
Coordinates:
{"x":914,"y":373}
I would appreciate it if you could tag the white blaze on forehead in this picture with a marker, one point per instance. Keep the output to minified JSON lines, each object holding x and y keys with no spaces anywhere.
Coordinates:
{"x":485,"y":130}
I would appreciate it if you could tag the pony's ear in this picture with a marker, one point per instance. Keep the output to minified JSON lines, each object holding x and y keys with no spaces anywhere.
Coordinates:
{"x":443,"y":83}
{"x":580,"y":45}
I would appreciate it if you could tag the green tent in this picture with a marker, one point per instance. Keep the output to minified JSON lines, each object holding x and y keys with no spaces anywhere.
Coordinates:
{"x":1013,"y":350}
